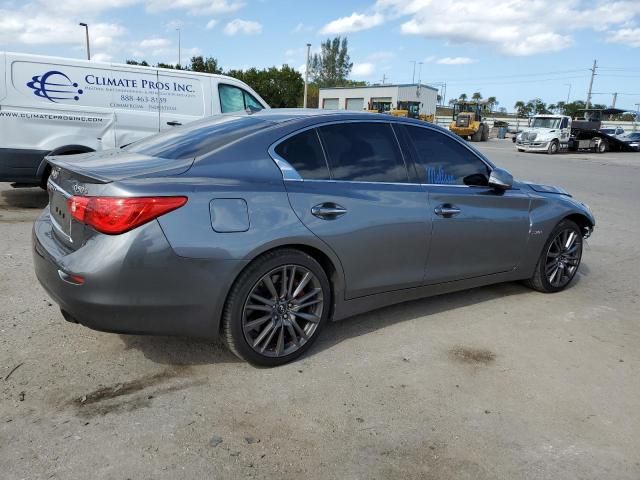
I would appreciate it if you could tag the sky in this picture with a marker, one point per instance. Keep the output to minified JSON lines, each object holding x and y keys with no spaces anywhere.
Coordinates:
{"x":511,"y":49}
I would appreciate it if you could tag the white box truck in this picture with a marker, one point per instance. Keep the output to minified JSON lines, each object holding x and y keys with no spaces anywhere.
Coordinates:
{"x":57,"y":106}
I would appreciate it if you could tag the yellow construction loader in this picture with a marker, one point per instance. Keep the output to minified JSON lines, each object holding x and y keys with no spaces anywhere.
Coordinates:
{"x":468,"y":122}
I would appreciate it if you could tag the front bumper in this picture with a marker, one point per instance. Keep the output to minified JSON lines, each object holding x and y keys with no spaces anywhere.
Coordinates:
{"x":532,"y":146}
{"x":134,"y":283}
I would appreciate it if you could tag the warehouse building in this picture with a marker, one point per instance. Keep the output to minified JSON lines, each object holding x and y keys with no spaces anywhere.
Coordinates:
{"x":418,"y":99}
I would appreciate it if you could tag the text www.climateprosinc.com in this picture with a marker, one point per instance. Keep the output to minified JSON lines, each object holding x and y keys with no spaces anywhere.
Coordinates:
{"x":48,"y":116}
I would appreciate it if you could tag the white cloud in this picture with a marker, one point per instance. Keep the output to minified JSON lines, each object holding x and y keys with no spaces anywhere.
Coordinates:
{"x":247,"y":27}
{"x":361,"y":70}
{"x":301,"y":27}
{"x":353,"y":23}
{"x":511,"y":27}
{"x":379,"y":56}
{"x":625,"y":36}
{"x":211,"y":24}
{"x":155,"y":43}
{"x":102,"y":57}
{"x":456,"y":61}
{"x":195,"y":7}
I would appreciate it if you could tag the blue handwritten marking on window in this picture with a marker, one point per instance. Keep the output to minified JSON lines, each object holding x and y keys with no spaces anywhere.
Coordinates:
{"x":439,"y":176}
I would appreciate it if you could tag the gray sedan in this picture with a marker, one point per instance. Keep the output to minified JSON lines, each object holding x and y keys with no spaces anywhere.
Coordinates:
{"x":261,"y":228}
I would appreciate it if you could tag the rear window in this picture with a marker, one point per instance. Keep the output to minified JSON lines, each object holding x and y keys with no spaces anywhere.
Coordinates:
{"x":198,"y":138}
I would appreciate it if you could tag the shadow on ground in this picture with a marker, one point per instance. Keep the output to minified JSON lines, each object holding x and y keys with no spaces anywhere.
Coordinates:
{"x":19,"y":198}
{"x":184,"y":351}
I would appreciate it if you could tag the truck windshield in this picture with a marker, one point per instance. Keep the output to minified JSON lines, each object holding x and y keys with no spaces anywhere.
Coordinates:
{"x":198,"y":138}
{"x":545,"y":122}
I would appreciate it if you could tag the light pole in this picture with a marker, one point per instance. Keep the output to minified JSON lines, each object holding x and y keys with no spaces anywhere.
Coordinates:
{"x":569,"y":92}
{"x":86,"y":30}
{"x":413,"y":76}
{"x":306,"y":76}
{"x":179,"y":50}
{"x":419,"y":72}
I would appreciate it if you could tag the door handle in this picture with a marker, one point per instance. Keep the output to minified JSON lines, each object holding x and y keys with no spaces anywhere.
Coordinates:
{"x":328,"y":211}
{"x":447,"y":210}
{"x":174,"y":123}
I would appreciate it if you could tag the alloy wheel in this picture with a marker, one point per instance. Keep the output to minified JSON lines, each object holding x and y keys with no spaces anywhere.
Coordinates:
{"x":563,"y":257}
{"x":282,"y":311}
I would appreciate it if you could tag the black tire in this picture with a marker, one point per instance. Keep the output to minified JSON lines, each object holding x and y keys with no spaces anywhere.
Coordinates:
{"x":477,"y":137}
{"x":541,"y":278}
{"x":235,"y":313}
{"x":554,"y":147}
{"x":521,"y":149}
{"x":485,"y":133}
{"x":602,"y":147}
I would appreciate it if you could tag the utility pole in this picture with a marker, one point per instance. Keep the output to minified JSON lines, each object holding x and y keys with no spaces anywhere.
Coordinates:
{"x":593,"y":74}
{"x":384,"y":78}
{"x":615,"y":97}
{"x":86,"y":31}
{"x":569,"y":92}
{"x":413,"y":75}
{"x":179,"y":50}
{"x":419,"y":71}
{"x":306,"y":76}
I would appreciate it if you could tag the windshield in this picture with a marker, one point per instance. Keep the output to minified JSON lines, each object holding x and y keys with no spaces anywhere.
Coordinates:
{"x":546,"y":122}
{"x":198,"y":138}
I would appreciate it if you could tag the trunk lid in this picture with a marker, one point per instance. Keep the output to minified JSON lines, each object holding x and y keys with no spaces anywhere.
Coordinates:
{"x":88,"y":175}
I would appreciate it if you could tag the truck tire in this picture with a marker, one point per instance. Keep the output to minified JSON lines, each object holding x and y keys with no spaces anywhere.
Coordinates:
{"x":477,"y":137}
{"x":602,"y":147}
{"x":554,"y":147}
{"x":485,"y":132}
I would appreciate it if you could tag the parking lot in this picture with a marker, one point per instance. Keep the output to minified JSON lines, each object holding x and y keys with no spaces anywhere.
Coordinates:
{"x":497,"y":382}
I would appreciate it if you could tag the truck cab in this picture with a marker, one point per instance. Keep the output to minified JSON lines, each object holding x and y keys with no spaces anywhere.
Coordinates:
{"x":546,"y":133}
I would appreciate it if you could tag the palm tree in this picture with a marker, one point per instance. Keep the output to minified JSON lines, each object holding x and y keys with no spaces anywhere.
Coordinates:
{"x":560,"y":107}
{"x":492,"y":102}
{"x":452,"y":102}
{"x":552,"y":107}
{"x":521,"y":108}
{"x":463,"y":96}
{"x":476,"y":96}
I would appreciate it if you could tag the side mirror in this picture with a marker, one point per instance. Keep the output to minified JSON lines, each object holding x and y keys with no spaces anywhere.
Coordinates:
{"x":500,"y":179}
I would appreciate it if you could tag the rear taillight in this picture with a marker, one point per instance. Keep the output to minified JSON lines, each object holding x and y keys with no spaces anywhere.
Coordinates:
{"x":114,"y":215}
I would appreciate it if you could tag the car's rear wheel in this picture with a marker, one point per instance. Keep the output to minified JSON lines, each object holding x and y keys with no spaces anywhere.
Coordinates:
{"x":559,"y":260}
{"x":276,"y":308}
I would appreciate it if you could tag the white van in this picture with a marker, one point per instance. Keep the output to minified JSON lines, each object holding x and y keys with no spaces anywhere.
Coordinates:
{"x":60,"y":106}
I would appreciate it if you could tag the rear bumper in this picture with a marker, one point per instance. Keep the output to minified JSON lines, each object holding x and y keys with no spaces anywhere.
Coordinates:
{"x":134,"y":283}
{"x":20,"y":165}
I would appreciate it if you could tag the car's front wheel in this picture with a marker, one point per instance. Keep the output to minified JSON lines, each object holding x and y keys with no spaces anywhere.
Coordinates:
{"x":559,"y":260}
{"x":277,"y":308}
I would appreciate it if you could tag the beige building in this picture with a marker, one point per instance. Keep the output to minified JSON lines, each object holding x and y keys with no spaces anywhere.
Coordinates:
{"x":417,"y":98}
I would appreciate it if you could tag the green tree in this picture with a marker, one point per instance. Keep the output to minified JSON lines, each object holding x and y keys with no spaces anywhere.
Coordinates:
{"x":167,"y":65}
{"x":537,"y":106}
{"x":521,"y":109}
{"x":205,"y":65}
{"x":279,"y":87}
{"x":463,"y":97}
{"x":477,"y":96}
{"x":143,"y":63}
{"x":491,"y":103}
{"x":332,"y":66}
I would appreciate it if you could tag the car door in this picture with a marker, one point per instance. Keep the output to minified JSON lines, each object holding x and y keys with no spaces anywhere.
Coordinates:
{"x":182,"y":98}
{"x":354,"y":192}
{"x":476,"y":230}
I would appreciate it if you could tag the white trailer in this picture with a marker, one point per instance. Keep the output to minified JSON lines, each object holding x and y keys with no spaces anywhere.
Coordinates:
{"x":59,"y":106}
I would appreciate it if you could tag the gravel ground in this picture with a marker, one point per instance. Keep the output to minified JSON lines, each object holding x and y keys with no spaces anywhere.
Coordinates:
{"x":497,"y":382}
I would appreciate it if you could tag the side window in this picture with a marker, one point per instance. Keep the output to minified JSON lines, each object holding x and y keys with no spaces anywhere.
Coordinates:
{"x":366,"y":152}
{"x":564,"y":123}
{"x":304,"y":153}
{"x":235,"y":99}
{"x":445,"y":161}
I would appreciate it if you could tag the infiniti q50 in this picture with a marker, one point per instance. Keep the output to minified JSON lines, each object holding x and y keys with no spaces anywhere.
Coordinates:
{"x":261,"y":228}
